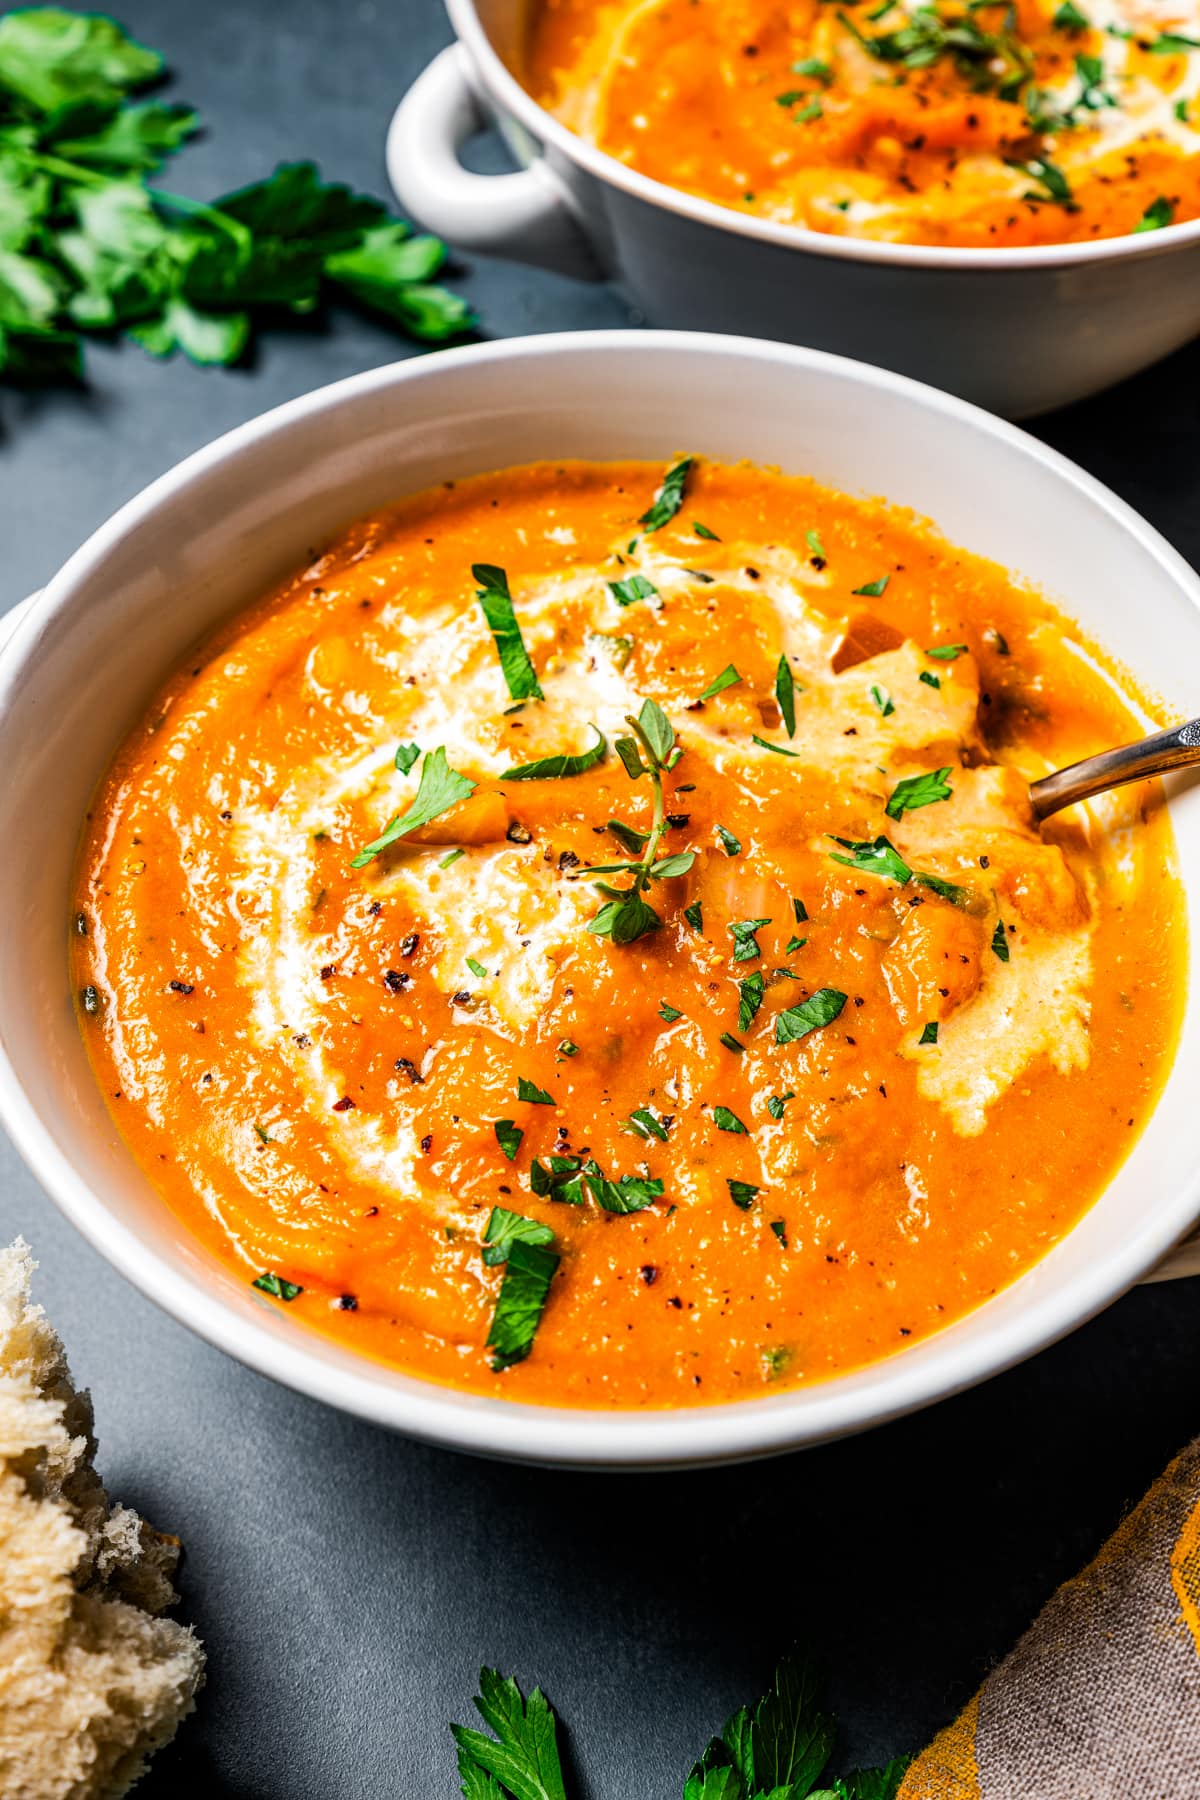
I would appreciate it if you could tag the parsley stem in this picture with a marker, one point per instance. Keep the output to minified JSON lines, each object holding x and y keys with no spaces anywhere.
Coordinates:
{"x":212,"y":214}
{"x":57,"y":165}
{"x":658,"y":827}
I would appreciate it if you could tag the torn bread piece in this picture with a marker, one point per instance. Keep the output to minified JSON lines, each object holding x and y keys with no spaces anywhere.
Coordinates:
{"x":93,"y":1679}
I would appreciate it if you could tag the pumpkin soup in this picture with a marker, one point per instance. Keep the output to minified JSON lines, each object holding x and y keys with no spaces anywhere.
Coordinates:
{"x":958,"y":122}
{"x":585,"y":938}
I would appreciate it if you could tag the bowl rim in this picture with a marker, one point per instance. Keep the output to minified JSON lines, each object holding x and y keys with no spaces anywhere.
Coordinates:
{"x":511,"y":1429}
{"x":545,"y":128}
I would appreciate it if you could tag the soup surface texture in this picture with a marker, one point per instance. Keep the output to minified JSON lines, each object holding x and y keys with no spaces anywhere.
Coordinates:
{"x":954,"y":123}
{"x":841,"y":1045}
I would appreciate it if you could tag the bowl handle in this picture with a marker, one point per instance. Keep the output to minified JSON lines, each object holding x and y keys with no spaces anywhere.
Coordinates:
{"x":526,"y":217}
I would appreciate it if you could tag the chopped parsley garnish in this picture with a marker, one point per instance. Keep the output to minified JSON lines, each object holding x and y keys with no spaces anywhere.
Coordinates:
{"x":476,"y":968}
{"x":806,"y":115}
{"x":561,"y":1180}
{"x":440,"y":788}
{"x":528,"y":1271}
{"x":929,"y":678}
{"x":777,"y":748}
{"x":406,"y":756}
{"x":566,"y":1047}
{"x":883,"y":701}
{"x":946,"y":652}
{"x":504,"y":1229}
{"x":780,"y":1229}
{"x":946,"y":890}
{"x":626,"y":916}
{"x":815,"y":545}
{"x":730,"y":1042}
{"x":553,"y":768}
{"x":1159,"y":213}
{"x":728,"y":677}
{"x":785,"y":694}
{"x":916,"y":791}
{"x":777,"y":1102}
{"x":530,"y":1091}
{"x":669,"y":1013}
{"x":799,"y":912}
{"x":263,"y":1135}
{"x":816,"y":67}
{"x":821,"y":1008}
{"x":1000,"y":941}
{"x":496,"y":601}
{"x":878,"y":858}
{"x":276,"y":1286}
{"x":1093,"y":94}
{"x":628,"y":838}
{"x":751,"y":998}
{"x":882,"y":858}
{"x":565,"y":1178}
{"x":508,"y":1136}
{"x":450,"y":858}
{"x":724,"y":1120}
{"x":632,"y":1193}
{"x":694,"y":916}
{"x":704,"y":532}
{"x":1056,"y":187}
{"x":729,"y":843}
{"x":645,"y":1124}
{"x":669,"y":498}
{"x":994,"y":61}
{"x":1070,"y":18}
{"x":742,"y":1193}
{"x":746,"y":945}
{"x":930,"y":1034}
{"x":871,"y":590}
{"x":634,"y":587}
{"x":794,"y":944}
{"x":1172,"y":43}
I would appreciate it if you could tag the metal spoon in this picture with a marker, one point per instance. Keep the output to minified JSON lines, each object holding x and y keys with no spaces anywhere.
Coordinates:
{"x":1178,"y":748}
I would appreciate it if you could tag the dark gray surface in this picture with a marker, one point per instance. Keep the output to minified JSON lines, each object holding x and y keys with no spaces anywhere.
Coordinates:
{"x":348,"y":1584}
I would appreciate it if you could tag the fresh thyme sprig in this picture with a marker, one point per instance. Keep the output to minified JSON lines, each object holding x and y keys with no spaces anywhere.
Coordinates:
{"x":650,"y":750}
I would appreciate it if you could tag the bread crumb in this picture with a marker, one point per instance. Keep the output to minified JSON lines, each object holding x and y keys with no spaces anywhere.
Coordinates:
{"x":93,"y":1680}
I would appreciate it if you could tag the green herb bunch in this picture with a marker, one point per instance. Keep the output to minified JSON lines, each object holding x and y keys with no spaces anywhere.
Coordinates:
{"x":86,"y":246}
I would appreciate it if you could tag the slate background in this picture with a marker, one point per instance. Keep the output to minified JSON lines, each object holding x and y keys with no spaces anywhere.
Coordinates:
{"x":348,"y":1584}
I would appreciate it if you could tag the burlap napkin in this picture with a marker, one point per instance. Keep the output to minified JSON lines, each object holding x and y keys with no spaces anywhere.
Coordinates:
{"x":1100,"y":1700}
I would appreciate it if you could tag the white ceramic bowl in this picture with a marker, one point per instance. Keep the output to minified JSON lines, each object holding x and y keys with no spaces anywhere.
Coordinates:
{"x":1018,"y":331}
{"x":232,"y":519}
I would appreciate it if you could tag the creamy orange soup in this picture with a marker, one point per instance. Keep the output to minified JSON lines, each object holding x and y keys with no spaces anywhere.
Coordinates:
{"x":596,"y":948}
{"x":968,"y":124}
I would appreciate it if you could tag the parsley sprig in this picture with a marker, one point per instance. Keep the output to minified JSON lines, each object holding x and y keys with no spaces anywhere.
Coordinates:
{"x":775,"y":1749}
{"x":87,"y":246}
{"x":651,"y":750}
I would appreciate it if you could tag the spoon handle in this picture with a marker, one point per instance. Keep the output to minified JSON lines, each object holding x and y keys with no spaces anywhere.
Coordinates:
{"x":1178,"y":748}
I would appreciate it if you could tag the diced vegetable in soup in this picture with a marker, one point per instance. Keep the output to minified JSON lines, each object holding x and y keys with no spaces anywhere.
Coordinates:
{"x":585,"y":937}
{"x":953,"y":122}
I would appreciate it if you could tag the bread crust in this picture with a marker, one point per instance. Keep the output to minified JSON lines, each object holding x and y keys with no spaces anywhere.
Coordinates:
{"x":93,"y":1677}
